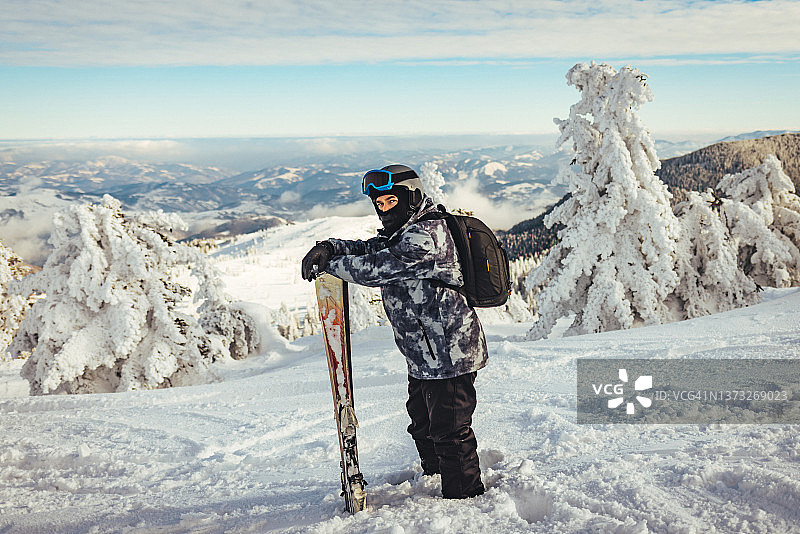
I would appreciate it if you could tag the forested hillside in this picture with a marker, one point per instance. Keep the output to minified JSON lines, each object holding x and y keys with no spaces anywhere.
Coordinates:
{"x":696,"y":171}
{"x":704,"y":168}
{"x":531,"y":237}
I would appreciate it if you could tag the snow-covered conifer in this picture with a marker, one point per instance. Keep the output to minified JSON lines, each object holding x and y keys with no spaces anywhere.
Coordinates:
{"x":433,"y":182}
{"x":366,"y":307}
{"x":234,"y":324}
{"x":614,"y":266}
{"x":222,"y":317}
{"x":765,"y":256}
{"x":12,"y":307}
{"x":519,"y":269}
{"x":286,"y":321}
{"x":711,"y":279}
{"x":515,"y":310}
{"x":311,"y":322}
{"x":110,"y":320}
{"x":770,"y":194}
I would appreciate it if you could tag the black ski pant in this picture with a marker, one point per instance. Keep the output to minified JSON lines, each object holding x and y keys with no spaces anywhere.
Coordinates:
{"x":441,"y":425}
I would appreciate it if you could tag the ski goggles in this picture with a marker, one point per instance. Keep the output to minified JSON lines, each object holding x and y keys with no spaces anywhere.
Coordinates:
{"x":381,"y":180}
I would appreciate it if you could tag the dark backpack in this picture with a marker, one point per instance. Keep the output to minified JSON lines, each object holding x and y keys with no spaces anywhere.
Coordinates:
{"x":484,"y":261}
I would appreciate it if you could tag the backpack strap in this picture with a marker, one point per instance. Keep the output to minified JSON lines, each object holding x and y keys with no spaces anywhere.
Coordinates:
{"x":438,"y":283}
{"x":432,"y":216}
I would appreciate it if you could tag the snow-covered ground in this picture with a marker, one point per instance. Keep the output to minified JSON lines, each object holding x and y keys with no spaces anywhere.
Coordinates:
{"x":256,"y":451}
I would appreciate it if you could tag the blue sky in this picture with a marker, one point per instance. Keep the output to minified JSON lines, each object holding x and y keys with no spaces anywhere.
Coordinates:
{"x":181,"y":68}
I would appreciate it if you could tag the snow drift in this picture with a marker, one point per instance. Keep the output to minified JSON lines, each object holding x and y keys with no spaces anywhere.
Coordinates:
{"x":257,"y":452}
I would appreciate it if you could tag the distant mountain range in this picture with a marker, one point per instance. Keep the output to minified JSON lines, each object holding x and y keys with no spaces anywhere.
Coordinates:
{"x":507,"y":181}
{"x":219,"y":202}
{"x":279,"y":190}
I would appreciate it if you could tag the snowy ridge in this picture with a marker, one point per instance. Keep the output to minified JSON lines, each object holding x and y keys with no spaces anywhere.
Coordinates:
{"x":256,"y":451}
{"x":754,"y":135}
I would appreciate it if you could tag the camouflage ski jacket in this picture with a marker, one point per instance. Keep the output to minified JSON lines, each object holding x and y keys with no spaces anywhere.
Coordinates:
{"x":434,"y":328}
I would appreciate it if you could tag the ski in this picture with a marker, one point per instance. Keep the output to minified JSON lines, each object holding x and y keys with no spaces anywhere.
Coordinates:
{"x":333,"y":303}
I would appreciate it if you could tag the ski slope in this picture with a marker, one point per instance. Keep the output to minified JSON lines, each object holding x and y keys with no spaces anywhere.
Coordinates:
{"x":256,"y":451}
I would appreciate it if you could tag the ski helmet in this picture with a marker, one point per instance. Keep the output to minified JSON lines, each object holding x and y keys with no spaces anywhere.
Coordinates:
{"x":387,"y":180}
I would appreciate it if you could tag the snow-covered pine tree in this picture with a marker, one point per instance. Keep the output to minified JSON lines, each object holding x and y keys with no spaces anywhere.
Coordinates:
{"x":770,"y":194}
{"x":286,"y":322}
{"x":433,"y":182}
{"x":519,"y":269}
{"x":311,"y":321}
{"x":12,"y":307}
{"x":614,"y":265}
{"x":764,"y":256}
{"x":219,"y":315}
{"x":711,"y":279}
{"x":110,"y":319}
{"x":237,"y":327}
{"x":515,"y":310}
{"x":366,"y":307}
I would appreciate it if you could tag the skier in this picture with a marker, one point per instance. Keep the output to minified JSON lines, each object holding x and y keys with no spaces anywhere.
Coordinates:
{"x":436,"y":330}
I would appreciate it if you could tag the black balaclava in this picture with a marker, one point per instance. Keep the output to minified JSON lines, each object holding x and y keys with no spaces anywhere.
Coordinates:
{"x":395,"y":218}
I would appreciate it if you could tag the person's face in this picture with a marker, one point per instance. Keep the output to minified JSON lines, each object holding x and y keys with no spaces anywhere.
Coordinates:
{"x":386,"y":202}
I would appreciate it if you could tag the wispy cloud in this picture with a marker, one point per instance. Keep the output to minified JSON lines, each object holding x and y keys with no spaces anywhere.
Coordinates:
{"x":205,"y":32}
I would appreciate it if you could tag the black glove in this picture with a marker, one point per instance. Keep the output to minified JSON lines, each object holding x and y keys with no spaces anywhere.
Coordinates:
{"x":318,"y":256}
